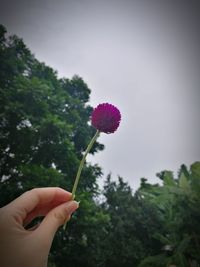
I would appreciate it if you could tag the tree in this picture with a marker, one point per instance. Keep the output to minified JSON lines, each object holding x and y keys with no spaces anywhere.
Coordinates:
{"x":177,"y":201}
{"x":44,"y":122}
{"x":44,"y":129}
{"x":132,"y":220}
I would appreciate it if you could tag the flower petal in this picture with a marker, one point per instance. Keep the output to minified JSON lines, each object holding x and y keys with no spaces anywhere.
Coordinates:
{"x":106,"y":118}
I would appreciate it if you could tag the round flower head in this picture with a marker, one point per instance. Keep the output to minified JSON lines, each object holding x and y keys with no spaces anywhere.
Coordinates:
{"x":106,"y":118}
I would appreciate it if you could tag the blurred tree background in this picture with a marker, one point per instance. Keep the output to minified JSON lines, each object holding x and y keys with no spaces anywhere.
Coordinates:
{"x":44,"y":129}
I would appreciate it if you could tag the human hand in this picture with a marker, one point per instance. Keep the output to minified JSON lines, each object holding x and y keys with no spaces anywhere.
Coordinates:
{"x":26,"y":248}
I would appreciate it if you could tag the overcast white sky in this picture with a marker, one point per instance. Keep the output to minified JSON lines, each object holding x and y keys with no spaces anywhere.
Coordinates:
{"x":142,"y":56}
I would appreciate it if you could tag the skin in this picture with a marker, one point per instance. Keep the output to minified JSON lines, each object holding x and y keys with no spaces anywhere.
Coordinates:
{"x":30,"y":248}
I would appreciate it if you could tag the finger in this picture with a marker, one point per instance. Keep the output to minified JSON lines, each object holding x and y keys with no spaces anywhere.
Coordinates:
{"x":37,"y":198}
{"x":54,"y":219}
{"x":42,"y":210}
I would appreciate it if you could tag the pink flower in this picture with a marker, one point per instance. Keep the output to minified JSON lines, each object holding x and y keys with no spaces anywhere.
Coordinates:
{"x":106,"y":118}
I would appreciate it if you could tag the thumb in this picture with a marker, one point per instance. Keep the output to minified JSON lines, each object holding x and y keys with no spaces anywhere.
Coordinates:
{"x":55,"y":218}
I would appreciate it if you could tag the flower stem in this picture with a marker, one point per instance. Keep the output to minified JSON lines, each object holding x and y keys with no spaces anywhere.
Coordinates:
{"x":82,"y":163}
{"x":81,"y":166}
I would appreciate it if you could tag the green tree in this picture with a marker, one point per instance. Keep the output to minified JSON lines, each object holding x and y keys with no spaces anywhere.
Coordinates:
{"x":177,"y":201}
{"x":44,"y":123}
{"x":44,"y":129}
{"x":132,"y":219}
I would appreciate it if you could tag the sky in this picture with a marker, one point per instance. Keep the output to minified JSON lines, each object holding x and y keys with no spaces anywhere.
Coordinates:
{"x":142,"y":56}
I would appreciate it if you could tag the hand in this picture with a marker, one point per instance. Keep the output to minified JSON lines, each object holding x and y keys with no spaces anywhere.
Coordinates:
{"x":26,"y":248}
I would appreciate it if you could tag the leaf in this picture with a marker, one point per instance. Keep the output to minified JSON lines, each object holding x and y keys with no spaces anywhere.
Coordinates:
{"x":184,"y":244}
{"x":154,"y":261}
{"x":164,"y":240}
{"x":195,"y":177}
{"x":195,"y":169}
{"x":184,"y":183}
{"x":169,"y":179}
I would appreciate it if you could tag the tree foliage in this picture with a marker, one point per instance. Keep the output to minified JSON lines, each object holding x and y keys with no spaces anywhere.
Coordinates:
{"x":44,"y":129}
{"x":44,"y":122}
{"x":177,"y":202}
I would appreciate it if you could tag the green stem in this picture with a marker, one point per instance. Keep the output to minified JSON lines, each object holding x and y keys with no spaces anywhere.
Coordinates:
{"x":82,"y":163}
{"x":81,"y":166}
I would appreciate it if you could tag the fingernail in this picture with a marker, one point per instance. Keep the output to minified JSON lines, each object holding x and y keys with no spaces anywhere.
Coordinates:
{"x":72,"y":206}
